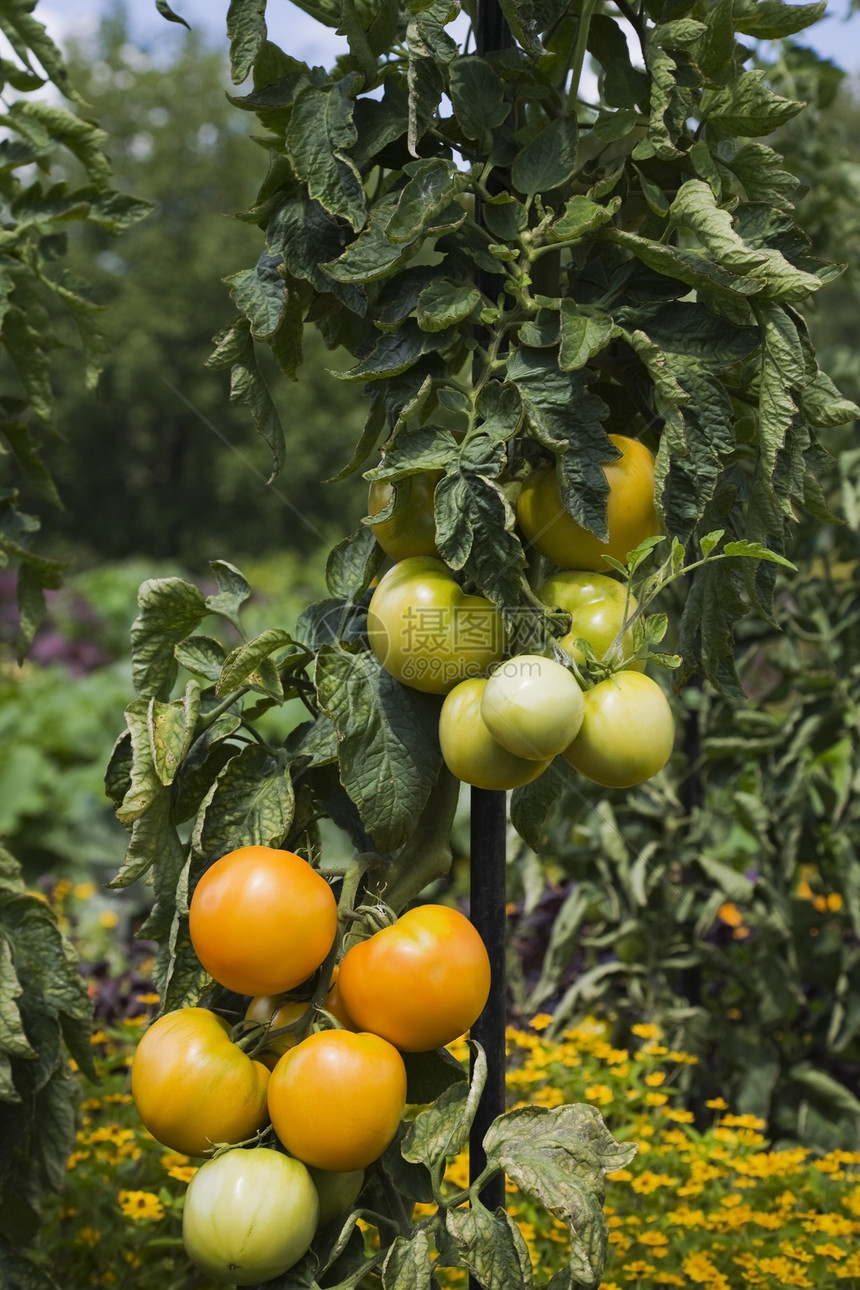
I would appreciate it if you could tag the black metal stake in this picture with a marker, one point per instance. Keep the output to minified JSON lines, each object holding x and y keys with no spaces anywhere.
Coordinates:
{"x":488,"y":827}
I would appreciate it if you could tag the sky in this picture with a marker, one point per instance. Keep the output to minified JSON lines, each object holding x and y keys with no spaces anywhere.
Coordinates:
{"x":306,"y":39}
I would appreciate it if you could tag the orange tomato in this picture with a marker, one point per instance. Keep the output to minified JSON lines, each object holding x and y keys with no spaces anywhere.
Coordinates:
{"x":262,"y":920}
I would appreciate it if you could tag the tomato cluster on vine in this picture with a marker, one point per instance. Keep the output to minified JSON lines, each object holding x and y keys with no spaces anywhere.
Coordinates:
{"x":316,"y":1057}
{"x":505,"y":718}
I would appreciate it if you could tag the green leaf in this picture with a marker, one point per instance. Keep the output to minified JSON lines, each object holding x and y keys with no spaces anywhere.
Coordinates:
{"x":531,"y":805}
{"x":27,"y":36}
{"x":582,"y":335}
{"x":202,"y":655}
{"x":475,"y":529}
{"x":242,"y":665}
{"x":260,"y":295}
{"x":747,"y":106}
{"x":426,"y":449}
{"x":394,"y":353}
{"x":320,"y":133}
{"x":580,"y":217}
{"x":442,"y":1130}
{"x":430,"y":188}
{"x":166,"y":12}
{"x":559,"y":1158}
{"x":170,"y":609}
{"x":234,"y":348}
{"x":409,"y":1263}
{"x":548,"y":159}
{"x":478,"y":97}
{"x":387,"y":742}
{"x":246,"y":31}
{"x":251,"y":803}
{"x":428,"y":1074}
{"x":500,"y":408}
{"x":80,"y":136}
{"x":353,"y":564}
{"x":372,"y":255}
{"x":171,"y":729}
{"x":233,"y":591}
{"x":486,"y":1245}
{"x":773,"y":20}
{"x":444,"y":303}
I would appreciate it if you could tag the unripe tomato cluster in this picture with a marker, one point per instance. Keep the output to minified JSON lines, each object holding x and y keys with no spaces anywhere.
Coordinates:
{"x":504,"y":720}
{"x":263,"y":923}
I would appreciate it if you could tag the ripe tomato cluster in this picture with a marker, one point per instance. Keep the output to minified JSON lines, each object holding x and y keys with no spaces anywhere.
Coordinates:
{"x":264,"y":924}
{"x":504,"y":720}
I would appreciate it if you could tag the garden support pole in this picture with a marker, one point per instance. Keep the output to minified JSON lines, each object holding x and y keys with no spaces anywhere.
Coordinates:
{"x":488,"y":828}
{"x":488,"y":832}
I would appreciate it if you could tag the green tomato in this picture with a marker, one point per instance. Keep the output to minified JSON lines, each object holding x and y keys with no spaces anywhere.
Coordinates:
{"x":337,"y":1192}
{"x":427,"y":632}
{"x":627,"y":732}
{"x":470,"y":751}
{"x":249,"y":1215}
{"x":532,"y":706}
{"x":596,"y":604}
{"x":411,"y":529}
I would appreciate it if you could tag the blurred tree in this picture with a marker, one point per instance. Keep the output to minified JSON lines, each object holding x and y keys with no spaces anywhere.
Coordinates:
{"x":161,"y":462}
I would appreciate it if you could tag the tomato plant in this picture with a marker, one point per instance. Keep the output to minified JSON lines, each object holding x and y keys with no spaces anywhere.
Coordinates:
{"x":631,"y":515}
{"x":532,"y":706}
{"x":249,"y":1215}
{"x":470,"y":751}
{"x":262,"y":920}
{"x":598,"y":606}
{"x":411,"y":528}
{"x":419,"y":983}
{"x":337,"y":1098}
{"x":193,"y":1087}
{"x":627,"y":733}
{"x":427,"y":632}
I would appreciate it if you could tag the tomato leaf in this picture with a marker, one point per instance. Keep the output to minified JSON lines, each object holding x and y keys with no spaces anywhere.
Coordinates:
{"x":170,"y":609}
{"x":429,"y":1074}
{"x":531,"y":804}
{"x":320,"y":133}
{"x":251,"y":803}
{"x":387,"y":741}
{"x":442,"y":1130}
{"x":485,"y":1242}
{"x":409,"y":1263}
{"x":171,"y":728}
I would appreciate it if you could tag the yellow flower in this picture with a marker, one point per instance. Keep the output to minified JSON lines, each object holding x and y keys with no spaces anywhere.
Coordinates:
{"x":541,"y":1021}
{"x":717,"y":1104}
{"x":149,"y":997}
{"x":182,"y":1173}
{"x":648,"y":1182}
{"x":107,"y":918}
{"x":620,"y":1175}
{"x":600,"y":1093}
{"x":656,"y":1099}
{"x":88,"y":1236}
{"x":679,"y":1116}
{"x":653,"y":1238}
{"x":655,"y":1078}
{"x":701,"y":1269}
{"x":834,"y":902}
{"x":140,"y":1205}
{"x":647,"y":1030}
{"x":84,"y":890}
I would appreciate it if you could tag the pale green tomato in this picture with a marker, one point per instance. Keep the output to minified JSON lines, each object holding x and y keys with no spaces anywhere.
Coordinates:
{"x":425,"y":631}
{"x":627,"y":732}
{"x":470,"y":751}
{"x":337,"y":1192}
{"x":596,"y":605}
{"x":411,"y":530}
{"x":249,"y":1215}
{"x":532,"y":706}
